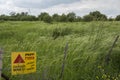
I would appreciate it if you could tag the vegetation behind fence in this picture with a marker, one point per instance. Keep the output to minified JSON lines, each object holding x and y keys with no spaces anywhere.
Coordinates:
{"x":88,"y":45}
{"x":46,"y":17}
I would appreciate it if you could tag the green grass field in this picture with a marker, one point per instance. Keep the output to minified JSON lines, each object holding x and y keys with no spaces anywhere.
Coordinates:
{"x":88,"y":44}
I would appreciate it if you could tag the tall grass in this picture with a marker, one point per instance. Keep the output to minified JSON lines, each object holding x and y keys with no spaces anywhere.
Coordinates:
{"x":88,"y":45}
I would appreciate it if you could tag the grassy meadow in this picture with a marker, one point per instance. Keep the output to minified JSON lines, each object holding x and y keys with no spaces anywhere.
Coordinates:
{"x":88,"y":45}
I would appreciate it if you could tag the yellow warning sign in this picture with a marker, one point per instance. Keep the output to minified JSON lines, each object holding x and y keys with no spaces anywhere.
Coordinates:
{"x":23,"y":62}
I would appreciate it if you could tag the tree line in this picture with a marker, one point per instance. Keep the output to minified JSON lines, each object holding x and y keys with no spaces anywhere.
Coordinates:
{"x":70,"y":17}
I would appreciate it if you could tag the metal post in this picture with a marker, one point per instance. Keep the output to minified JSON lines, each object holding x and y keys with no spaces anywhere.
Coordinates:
{"x":1,"y":74}
{"x":0,"y":62}
{"x":64,"y":59}
{"x":107,"y":59}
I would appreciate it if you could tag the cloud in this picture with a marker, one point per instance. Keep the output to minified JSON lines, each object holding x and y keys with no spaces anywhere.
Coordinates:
{"x":85,"y":6}
{"x":80,"y":7}
{"x":8,"y":6}
{"x":40,"y":3}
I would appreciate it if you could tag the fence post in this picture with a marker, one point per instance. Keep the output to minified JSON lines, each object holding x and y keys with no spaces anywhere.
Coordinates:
{"x":0,"y":63}
{"x":64,"y":59}
{"x":44,"y":74}
{"x":107,"y":59}
{"x":1,"y":74}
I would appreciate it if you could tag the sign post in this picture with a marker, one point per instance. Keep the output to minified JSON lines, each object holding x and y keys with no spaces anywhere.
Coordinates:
{"x":23,"y":62}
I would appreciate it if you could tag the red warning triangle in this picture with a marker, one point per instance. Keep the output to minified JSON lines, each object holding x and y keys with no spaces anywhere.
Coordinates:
{"x":19,"y":59}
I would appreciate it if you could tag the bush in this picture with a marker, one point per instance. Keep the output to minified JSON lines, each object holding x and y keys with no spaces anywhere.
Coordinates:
{"x":111,"y":19}
{"x":63,"y":18}
{"x":117,"y":18}
{"x":88,"y":18}
{"x":71,"y":17}
{"x":47,"y":19}
{"x":98,"y":16}
{"x":60,"y":32}
{"x":56,"y":17}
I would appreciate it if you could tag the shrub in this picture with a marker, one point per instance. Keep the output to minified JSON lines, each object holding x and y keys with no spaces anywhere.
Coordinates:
{"x":117,"y":18}
{"x":88,"y":18}
{"x":60,"y":32}
{"x":71,"y":17}
{"x":47,"y":19}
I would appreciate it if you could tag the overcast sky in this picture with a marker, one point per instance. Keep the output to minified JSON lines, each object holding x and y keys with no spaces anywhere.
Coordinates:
{"x":80,"y":7}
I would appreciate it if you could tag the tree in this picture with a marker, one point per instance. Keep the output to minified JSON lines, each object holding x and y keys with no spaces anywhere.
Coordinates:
{"x":97,"y":16}
{"x":12,"y":13}
{"x":23,"y":16}
{"x":111,"y":19}
{"x":78,"y":19}
{"x":12,"y":16}
{"x":87,"y":18}
{"x":56,"y":17}
{"x":4,"y":17}
{"x":24,"y":13}
{"x":42,"y":15}
{"x":71,"y":17}
{"x":47,"y":19}
{"x":28,"y":18}
{"x":117,"y":18}
{"x":63,"y":18}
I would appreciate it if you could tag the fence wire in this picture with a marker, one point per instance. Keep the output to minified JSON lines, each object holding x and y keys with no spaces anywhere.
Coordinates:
{"x":41,"y":74}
